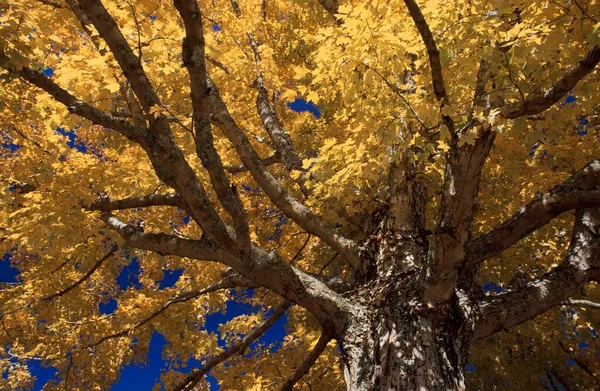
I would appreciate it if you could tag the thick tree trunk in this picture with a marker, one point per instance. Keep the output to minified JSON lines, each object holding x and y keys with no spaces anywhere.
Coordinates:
{"x":397,"y":347}
{"x":393,"y":340}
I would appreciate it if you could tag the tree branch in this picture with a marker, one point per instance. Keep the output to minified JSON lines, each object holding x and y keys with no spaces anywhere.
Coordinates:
{"x":167,"y":158}
{"x":437,"y":77}
{"x":279,"y":135}
{"x":74,"y":105}
{"x":291,"y":207}
{"x":178,"y":299}
{"x":318,"y":294}
{"x":582,"y":303}
{"x":268,"y":161}
{"x":85,"y":276}
{"x":105,"y":204}
{"x":308,"y":362}
{"x":459,"y":196}
{"x":239,"y":348}
{"x":193,"y":60}
{"x":575,"y":193}
{"x":581,"y":264}
{"x":539,"y":103}
{"x":128,"y":61}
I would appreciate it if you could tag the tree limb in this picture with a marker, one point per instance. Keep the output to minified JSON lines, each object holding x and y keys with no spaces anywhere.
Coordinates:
{"x":193,"y":60}
{"x":130,"y":64}
{"x":268,"y":161}
{"x":291,"y":207}
{"x":318,"y":294}
{"x":239,"y":348}
{"x":575,"y":193}
{"x":279,"y":135}
{"x":581,"y":264}
{"x":74,"y":105}
{"x":167,"y":158}
{"x":105,"y":204}
{"x":581,"y":303}
{"x":308,"y":362}
{"x":538,"y":103}
{"x":85,"y":276}
{"x":437,"y":77}
{"x":181,"y":298}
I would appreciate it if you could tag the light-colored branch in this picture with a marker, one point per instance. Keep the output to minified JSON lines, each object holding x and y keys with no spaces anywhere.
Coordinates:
{"x":581,"y":303}
{"x":239,"y":348}
{"x":290,"y":206}
{"x":581,"y":265}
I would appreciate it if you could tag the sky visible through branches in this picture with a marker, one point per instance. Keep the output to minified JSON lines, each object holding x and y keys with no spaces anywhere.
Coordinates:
{"x":143,"y":376}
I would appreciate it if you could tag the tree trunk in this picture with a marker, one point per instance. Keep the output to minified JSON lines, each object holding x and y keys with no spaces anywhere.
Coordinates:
{"x":392,"y":339}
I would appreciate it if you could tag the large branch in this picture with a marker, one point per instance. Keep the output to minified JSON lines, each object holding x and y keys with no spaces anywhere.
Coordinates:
{"x":279,"y":135}
{"x":538,"y":103}
{"x":318,"y":294}
{"x":128,"y":61}
{"x":437,"y":77}
{"x":576,"y":193}
{"x":581,"y":265}
{"x":193,"y":59}
{"x":459,"y":196}
{"x":74,"y":105}
{"x":167,"y":158}
{"x":239,"y":348}
{"x":291,"y":207}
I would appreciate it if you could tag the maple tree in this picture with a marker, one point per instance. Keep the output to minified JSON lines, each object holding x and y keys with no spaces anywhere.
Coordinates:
{"x":444,"y":210}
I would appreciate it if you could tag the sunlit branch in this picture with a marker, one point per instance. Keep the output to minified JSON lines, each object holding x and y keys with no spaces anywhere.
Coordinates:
{"x":308,"y":362}
{"x":540,"y":102}
{"x":581,"y":303}
{"x":182,"y":298}
{"x":161,"y":243}
{"x":239,"y":348}
{"x":581,"y":265}
{"x":279,"y":135}
{"x":291,"y":207}
{"x":577,"y":192}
